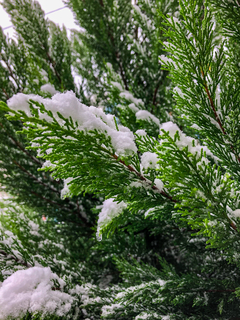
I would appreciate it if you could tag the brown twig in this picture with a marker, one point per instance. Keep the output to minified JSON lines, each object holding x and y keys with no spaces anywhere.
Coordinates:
{"x":163,"y":193}
{"x":216,"y":115}
{"x":121,"y":71}
{"x":5,"y":92}
{"x":212,"y":105}
{"x":232,"y":224}
{"x":155,"y":93}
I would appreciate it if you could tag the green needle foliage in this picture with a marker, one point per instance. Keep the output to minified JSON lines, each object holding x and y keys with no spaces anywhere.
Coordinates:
{"x":144,"y":151}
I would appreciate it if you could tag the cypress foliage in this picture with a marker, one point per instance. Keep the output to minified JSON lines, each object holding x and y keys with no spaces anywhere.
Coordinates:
{"x":153,"y":164}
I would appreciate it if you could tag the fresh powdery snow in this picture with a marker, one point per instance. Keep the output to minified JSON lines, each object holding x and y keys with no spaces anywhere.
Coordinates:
{"x":149,"y":160}
{"x":88,"y":118}
{"x":117,"y":85}
{"x":236,"y":213}
{"x":145,"y":115}
{"x":110,"y":210}
{"x":128,"y":96}
{"x":133,"y":107}
{"x":186,"y":141}
{"x":31,"y":290}
{"x":49,"y":88}
{"x":65,"y":191}
{"x":141,"y":132}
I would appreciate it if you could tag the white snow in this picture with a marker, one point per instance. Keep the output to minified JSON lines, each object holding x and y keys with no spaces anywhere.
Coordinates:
{"x":110,"y":210}
{"x":186,"y":141}
{"x":65,"y":191}
{"x":32,"y":291}
{"x":159,"y":184}
{"x":117,"y":85}
{"x":145,"y":115}
{"x":88,"y":118}
{"x":170,"y":127}
{"x":236,"y":213}
{"x":149,"y":160}
{"x":49,"y":88}
{"x":34,"y":228}
{"x":128,"y":96}
{"x":133,"y":107}
{"x":141,"y":132}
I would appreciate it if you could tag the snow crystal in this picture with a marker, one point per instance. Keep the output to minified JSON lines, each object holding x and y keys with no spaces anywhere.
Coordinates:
{"x":145,"y":115}
{"x":49,"y":88}
{"x":110,"y":210}
{"x":236,"y":213}
{"x":31,"y":291}
{"x":149,"y":160}
{"x":88,"y":118}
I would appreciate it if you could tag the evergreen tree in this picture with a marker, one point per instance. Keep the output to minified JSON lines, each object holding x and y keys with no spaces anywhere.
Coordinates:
{"x":165,"y":168}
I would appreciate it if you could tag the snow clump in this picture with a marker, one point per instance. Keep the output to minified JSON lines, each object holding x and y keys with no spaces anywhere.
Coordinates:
{"x":110,"y":210}
{"x":32,"y":290}
{"x":87,"y":118}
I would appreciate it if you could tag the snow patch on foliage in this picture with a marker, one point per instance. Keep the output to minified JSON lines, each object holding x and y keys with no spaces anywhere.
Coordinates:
{"x":149,"y":160}
{"x":49,"y":88}
{"x":88,"y":118}
{"x":110,"y":210}
{"x":159,"y":184}
{"x":147,"y":116}
{"x":186,"y":141}
{"x":32,"y":291}
{"x":65,"y":191}
{"x":117,"y":85}
{"x":141,"y":132}
{"x":133,"y":107}
{"x":34,"y":228}
{"x":129,"y":97}
{"x":236,"y":213}
{"x":145,"y":315}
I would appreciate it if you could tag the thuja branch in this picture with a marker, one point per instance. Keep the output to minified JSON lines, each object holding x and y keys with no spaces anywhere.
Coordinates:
{"x":35,"y":178}
{"x":163,"y":193}
{"x":212,"y":104}
{"x":5,"y":92}
{"x":116,"y":53}
{"x":21,"y":147}
{"x":11,"y":257}
{"x":9,"y":68}
{"x":215,"y":113}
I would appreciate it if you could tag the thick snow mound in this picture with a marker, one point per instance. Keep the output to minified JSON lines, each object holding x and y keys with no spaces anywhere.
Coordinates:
{"x":33,"y":291}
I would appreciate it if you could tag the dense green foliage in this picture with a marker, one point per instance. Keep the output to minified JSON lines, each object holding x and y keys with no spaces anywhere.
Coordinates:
{"x":145,"y":148}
